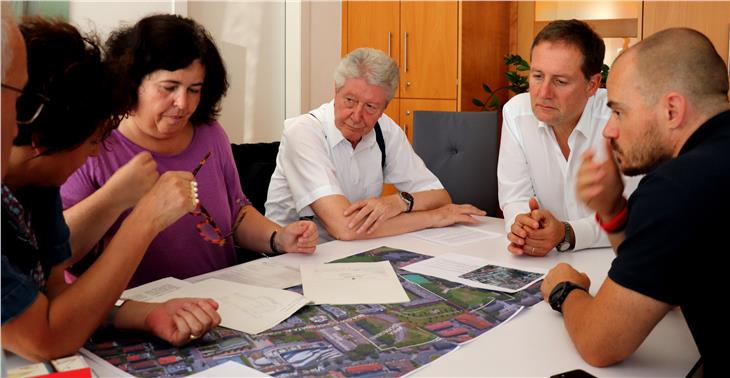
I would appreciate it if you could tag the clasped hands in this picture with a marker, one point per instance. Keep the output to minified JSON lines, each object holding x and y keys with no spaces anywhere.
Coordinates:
{"x":535,"y":233}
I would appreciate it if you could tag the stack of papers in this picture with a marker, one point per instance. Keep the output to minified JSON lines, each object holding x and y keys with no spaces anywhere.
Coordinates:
{"x":247,"y":308}
{"x":254,"y":309}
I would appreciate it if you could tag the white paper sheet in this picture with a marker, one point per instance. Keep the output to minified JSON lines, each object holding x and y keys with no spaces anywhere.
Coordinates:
{"x":152,"y":291}
{"x":260,"y":272}
{"x":476,"y":272}
{"x":455,"y":235}
{"x":352,"y":283}
{"x":229,"y":369}
{"x":247,"y":308}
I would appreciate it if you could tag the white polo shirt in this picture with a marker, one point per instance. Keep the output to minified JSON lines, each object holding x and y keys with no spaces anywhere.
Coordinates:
{"x":315,"y":161}
{"x":532,"y":165}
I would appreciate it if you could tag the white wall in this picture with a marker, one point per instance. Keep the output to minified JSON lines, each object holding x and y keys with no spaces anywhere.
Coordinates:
{"x":105,"y":16}
{"x":279,"y":63}
{"x":250,"y":36}
{"x":325,"y":42}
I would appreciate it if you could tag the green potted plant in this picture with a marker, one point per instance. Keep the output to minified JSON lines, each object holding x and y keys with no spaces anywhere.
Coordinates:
{"x":517,"y":83}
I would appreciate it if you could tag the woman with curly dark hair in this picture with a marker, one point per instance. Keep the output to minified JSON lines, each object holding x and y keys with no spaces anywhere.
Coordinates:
{"x":174,"y":78}
{"x":64,"y":112}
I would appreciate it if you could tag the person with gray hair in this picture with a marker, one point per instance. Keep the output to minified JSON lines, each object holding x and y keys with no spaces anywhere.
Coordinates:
{"x":671,"y":121}
{"x":334,"y":160}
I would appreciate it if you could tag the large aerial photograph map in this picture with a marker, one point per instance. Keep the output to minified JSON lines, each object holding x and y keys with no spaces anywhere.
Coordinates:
{"x":337,"y":341}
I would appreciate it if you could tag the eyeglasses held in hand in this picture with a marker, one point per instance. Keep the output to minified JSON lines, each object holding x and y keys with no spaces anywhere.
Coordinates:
{"x":207,"y":228}
{"x":29,"y":105}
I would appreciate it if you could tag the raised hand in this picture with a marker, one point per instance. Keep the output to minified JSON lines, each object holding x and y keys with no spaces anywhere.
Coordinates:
{"x":132,"y":180}
{"x":599,"y":185}
{"x":169,"y":199}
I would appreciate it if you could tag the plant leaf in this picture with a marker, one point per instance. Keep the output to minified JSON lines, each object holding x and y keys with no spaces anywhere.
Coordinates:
{"x":486,"y":88}
{"x":477,"y":102}
{"x":494,"y":103}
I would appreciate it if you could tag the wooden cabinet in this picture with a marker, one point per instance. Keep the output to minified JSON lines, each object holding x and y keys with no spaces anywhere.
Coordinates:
{"x":428,"y":49}
{"x":372,"y":24}
{"x":712,"y":18}
{"x":393,"y":110}
{"x":445,"y":50}
{"x":420,"y":36}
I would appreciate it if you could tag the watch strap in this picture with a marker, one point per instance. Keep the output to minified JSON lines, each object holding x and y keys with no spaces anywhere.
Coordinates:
{"x":560,"y":293}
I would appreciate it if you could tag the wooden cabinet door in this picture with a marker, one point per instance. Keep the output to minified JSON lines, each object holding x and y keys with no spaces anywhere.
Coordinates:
{"x":393,"y":110}
{"x":428,"y":49}
{"x":408,"y":106}
{"x":374,"y":24}
{"x":709,"y":17}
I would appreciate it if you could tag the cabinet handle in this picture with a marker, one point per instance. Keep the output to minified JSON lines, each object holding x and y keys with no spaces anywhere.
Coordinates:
{"x":408,"y":112}
{"x":389,"y":35}
{"x":408,"y":83}
{"x":405,"y":51}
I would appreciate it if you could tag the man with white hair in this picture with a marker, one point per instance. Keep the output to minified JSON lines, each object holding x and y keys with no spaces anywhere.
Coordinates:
{"x":333,"y":161}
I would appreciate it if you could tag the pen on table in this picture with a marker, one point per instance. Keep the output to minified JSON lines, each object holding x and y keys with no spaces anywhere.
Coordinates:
{"x":202,"y":162}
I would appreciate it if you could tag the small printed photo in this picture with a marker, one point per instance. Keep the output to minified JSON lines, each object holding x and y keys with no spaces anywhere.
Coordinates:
{"x":508,"y":278}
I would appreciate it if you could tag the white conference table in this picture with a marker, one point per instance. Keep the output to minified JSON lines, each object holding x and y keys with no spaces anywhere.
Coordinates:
{"x":532,"y":344}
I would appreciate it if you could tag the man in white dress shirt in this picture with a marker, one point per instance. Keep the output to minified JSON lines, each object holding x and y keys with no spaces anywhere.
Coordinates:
{"x":333,"y":161}
{"x":544,"y":134}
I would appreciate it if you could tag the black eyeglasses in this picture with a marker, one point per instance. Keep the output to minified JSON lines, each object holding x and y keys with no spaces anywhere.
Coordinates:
{"x":27,"y":100}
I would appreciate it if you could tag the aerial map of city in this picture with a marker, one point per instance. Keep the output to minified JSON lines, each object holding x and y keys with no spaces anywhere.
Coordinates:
{"x":336,"y":341}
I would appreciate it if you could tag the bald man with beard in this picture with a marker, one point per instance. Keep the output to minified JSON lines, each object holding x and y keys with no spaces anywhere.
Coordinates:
{"x":670,"y":120}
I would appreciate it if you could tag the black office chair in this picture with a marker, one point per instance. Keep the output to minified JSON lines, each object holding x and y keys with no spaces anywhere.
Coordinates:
{"x":255,"y":163}
{"x":461,"y":149}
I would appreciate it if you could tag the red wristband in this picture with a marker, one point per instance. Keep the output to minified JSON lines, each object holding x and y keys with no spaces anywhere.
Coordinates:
{"x":617,"y":223}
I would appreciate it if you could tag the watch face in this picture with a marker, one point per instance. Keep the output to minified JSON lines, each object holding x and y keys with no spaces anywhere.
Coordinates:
{"x":408,"y":199}
{"x":563,"y":246}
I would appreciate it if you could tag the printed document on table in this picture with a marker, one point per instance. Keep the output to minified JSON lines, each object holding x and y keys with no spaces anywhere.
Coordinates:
{"x":247,"y":308}
{"x":151,"y":292}
{"x":455,"y":235}
{"x":230,"y":369}
{"x":352,"y":283}
{"x":477,"y":272}
{"x":259,"y":272}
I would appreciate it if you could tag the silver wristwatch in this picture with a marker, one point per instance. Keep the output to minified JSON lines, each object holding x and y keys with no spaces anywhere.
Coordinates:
{"x":568,"y":242}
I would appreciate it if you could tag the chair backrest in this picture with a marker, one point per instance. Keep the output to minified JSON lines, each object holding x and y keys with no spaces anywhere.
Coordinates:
{"x":461,"y":149}
{"x":256,"y":163}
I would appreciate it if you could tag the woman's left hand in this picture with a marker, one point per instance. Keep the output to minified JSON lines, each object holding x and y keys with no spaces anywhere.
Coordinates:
{"x":300,"y":236}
